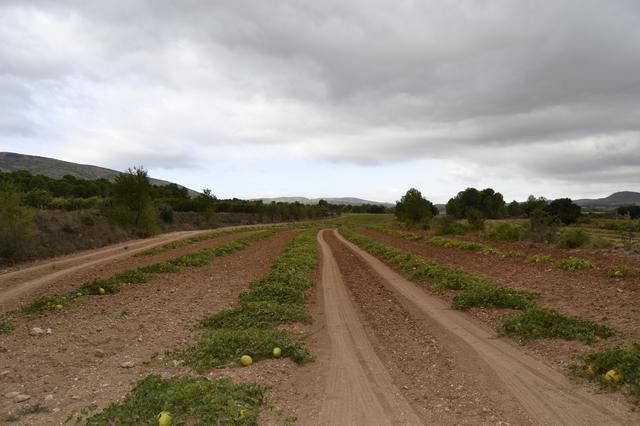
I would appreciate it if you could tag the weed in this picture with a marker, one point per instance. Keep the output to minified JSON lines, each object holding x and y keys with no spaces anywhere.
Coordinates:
{"x":623,"y":272}
{"x":221,"y":348}
{"x":46,"y":303}
{"x":6,"y":327}
{"x":188,"y":241}
{"x":541,"y":258}
{"x":574,"y":263}
{"x":537,"y":322}
{"x":124,"y":312}
{"x":93,"y":287}
{"x":573,"y":238}
{"x":160,"y":268}
{"x":132,"y":276}
{"x":190,"y":400}
{"x":257,"y":315}
{"x":626,"y":360}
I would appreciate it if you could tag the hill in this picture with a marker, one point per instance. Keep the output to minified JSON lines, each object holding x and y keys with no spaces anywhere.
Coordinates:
{"x":614,"y":200}
{"x":333,"y":200}
{"x":51,"y":167}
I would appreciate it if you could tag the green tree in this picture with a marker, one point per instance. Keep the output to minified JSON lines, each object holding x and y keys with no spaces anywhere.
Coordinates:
{"x":132,"y":206}
{"x":413,"y":208}
{"x":488,"y":202}
{"x":515,"y":209}
{"x":564,"y":209}
{"x":17,"y":226}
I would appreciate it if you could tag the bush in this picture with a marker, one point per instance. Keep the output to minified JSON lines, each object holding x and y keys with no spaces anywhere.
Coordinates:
{"x":165,"y":211}
{"x":38,"y":198}
{"x":476,"y":219}
{"x":504,"y":232}
{"x":623,"y":272}
{"x":543,"y":228}
{"x":573,"y":238}
{"x":448,"y":225}
{"x":17,"y":227}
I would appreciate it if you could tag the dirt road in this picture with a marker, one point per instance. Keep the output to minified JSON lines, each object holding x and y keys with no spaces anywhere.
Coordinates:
{"x":548,"y":396}
{"x":359,"y":390}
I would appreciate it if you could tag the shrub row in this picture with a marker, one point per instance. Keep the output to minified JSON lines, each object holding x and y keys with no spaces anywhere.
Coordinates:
{"x":532,"y":322}
{"x":134,"y":276}
{"x":247,"y":329}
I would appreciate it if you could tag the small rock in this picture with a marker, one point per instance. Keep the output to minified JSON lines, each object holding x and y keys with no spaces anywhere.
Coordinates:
{"x":22,"y":397}
{"x":36,"y":331}
{"x":177,"y":363}
{"x":49,"y":331}
{"x":11,"y":395}
{"x":55,"y":410}
{"x":99,"y":353}
{"x":128,"y":364}
{"x":4,"y":373}
{"x":49,"y":397}
{"x":139,"y":339}
{"x":75,"y":397}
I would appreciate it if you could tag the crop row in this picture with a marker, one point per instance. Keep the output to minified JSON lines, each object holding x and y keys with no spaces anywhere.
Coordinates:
{"x":533,"y":320}
{"x":192,"y":240}
{"x":110,"y":285}
{"x":247,"y":329}
{"x":452,"y":243}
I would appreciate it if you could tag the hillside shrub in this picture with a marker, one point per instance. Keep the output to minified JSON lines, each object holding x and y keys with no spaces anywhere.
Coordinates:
{"x":17,"y":227}
{"x":573,"y":238}
{"x":543,"y":227}
{"x":504,"y":232}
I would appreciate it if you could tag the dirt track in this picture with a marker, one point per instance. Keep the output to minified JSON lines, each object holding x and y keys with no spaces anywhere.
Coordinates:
{"x":548,"y":396}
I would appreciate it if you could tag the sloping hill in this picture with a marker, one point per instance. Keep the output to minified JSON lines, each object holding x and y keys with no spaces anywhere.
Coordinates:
{"x":614,"y":200}
{"x":11,"y":162}
{"x":332,"y":200}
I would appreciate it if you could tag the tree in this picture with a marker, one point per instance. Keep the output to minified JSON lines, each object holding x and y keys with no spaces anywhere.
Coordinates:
{"x":631,"y":211}
{"x":534,"y":203}
{"x":564,"y":209}
{"x":515,"y":209}
{"x":413,"y":208}
{"x":132,"y":206}
{"x":488,"y":202}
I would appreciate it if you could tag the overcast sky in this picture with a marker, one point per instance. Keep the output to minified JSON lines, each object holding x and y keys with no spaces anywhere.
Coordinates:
{"x":331,"y":98}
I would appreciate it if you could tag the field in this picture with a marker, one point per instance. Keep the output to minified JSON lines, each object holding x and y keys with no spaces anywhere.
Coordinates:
{"x":376,"y":324}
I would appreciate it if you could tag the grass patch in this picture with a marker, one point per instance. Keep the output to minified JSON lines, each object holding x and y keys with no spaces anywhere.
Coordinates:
{"x":257,"y":315}
{"x":132,"y":276}
{"x":626,"y":360}
{"x":222,"y":348}
{"x":538,"y":322}
{"x":574,"y":263}
{"x":476,"y":291}
{"x":190,"y":400}
{"x":93,"y":287}
{"x":6,"y":327}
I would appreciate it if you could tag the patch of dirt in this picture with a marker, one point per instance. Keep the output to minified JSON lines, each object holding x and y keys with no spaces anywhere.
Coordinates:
{"x":442,"y":386}
{"x":588,"y":293}
{"x":80,"y":362}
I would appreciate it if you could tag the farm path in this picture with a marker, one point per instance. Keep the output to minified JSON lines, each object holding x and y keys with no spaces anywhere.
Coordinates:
{"x":547,"y":395}
{"x":358,"y":389}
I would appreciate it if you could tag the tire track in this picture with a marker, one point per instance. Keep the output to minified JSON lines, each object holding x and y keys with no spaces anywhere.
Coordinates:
{"x":359,"y":389}
{"x":547,"y":395}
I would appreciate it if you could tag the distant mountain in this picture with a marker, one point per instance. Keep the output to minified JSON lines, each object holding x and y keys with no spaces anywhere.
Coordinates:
{"x":614,"y":200}
{"x":11,"y":162}
{"x":332,"y":200}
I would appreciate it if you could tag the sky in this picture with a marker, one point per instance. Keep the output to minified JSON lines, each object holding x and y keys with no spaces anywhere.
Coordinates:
{"x":363,"y":98}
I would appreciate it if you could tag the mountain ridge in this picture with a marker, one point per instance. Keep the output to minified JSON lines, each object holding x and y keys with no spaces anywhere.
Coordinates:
{"x":354,"y":201}
{"x":616,"y":199}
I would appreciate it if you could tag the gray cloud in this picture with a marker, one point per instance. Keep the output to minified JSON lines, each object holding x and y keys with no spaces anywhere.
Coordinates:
{"x":546,"y":88}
